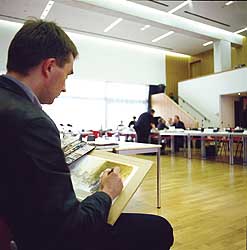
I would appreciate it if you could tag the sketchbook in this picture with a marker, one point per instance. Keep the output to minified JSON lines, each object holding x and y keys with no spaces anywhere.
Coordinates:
{"x":85,"y":174}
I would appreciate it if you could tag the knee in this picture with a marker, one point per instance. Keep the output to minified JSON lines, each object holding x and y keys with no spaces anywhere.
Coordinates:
{"x":165,"y":232}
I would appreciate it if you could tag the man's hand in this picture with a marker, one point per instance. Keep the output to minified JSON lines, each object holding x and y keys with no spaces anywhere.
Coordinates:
{"x":111,"y":182}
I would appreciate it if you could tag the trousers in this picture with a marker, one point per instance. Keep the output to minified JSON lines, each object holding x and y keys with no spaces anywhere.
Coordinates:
{"x":142,"y":136}
{"x":136,"y":232}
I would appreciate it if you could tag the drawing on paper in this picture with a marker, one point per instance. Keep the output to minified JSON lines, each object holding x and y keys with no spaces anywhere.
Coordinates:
{"x":86,"y":176}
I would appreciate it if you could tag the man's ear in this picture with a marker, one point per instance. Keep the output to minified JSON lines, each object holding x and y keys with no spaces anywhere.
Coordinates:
{"x":47,"y":66}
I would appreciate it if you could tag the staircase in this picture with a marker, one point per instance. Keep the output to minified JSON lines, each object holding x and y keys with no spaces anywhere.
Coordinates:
{"x":165,"y":107}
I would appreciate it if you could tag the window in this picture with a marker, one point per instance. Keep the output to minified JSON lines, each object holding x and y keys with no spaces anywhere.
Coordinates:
{"x":98,"y":105}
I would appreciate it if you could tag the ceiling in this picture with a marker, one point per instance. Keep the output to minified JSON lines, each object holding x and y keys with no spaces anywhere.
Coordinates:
{"x":75,"y":16}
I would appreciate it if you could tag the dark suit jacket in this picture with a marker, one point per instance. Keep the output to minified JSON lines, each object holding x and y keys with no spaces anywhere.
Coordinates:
{"x":143,"y":127}
{"x":179,"y":124}
{"x":36,"y":193}
{"x":144,"y":122}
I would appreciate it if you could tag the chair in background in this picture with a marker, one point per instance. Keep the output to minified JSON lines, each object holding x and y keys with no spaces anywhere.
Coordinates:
{"x":223,"y":145}
{"x":239,"y":147}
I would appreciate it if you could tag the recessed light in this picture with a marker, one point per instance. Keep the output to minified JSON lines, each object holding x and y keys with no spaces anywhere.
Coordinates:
{"x":239,"y":94}
{"x":145,"y":27}
{"x":163,"y":36}
{"x":113,"y":24}
{"x":179,"y":6}
{"x":207,"y":43}
{"x":229,"y":3}
{"x":46,"y":10}
{"x":239,"y":31}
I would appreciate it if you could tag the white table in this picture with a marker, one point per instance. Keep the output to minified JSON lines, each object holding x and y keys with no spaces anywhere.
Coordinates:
{"x":127,"y":148}
{"x":190,"y":133}
{"x":172,"y":134}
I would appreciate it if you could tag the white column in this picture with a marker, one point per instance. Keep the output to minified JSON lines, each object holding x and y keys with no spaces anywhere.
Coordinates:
{"x":222,"y":56}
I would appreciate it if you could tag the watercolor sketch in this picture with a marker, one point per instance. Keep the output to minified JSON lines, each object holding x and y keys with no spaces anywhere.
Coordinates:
{"x":86,"y":175}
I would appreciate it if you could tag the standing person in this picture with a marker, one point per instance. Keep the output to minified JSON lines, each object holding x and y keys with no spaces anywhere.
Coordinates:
{"x":132,"y":123}
{"x":173,"y":97}
{"x":36,"y":195}
{"x":143,"y":126}
{"x":178,"y":140}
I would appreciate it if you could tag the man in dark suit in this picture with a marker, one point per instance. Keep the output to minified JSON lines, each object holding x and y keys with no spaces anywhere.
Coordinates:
{"x":143,"y":126}
{"x":36,"y":193}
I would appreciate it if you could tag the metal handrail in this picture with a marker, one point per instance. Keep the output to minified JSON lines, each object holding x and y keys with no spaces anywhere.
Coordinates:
{"x":197,"y":111}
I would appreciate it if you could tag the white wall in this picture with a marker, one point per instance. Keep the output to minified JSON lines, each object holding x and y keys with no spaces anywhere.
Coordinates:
{"x":103,"y":60}
{"x":202,"y":122}
{"x":7,"y":32}
{"x":227,"y":112}
{"x":222,"y":56}
{"x":113,"y":61}
{"x":204,"y":93}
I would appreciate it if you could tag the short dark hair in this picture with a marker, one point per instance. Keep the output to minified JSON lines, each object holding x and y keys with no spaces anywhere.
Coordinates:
{"x":38,"y":40}
{"x":151,"y":111}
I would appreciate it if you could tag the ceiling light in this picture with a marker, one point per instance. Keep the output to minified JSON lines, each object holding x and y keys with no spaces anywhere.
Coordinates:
{"x":46,"y":10}
{"x":239,"y":31}
{"x":169,"y":53}
{"x":207,"y":43}
{"x":163,"y":36}
{"x":229,"y":3}
{"x":164,"y":19}
{"x":179,"y":6}
{"x":145,"y":27}
{"x":113,"y":24}
{"x":239,"y":94}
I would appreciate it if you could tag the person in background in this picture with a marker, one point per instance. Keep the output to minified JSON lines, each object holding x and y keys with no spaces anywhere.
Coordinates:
{"x":178,"y":123}
{"x":243,"y":117}
{"x":161,"y":124}
{"x":120,"y":126}
{"x":173,"y":97}
{"x":178,"y":140}
{"x":169,"y":122}
{"x":37,"y":198}
{"x":132,"y":123}
{"x":143,"y":126}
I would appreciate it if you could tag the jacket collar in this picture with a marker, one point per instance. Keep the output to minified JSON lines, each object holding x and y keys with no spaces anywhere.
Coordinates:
{"x":11,"y":86}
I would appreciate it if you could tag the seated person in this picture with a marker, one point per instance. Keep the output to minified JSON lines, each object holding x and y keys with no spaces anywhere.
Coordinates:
{"x":37,"y":198}
{"x":120,"y":126}
{"x":178,"y":123}
{"x":178,"y":140}
{"x":161,"y":124}
{"x":169,"y":122}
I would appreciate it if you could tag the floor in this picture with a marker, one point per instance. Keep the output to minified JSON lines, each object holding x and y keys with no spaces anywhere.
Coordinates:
{"x":205,"y":201}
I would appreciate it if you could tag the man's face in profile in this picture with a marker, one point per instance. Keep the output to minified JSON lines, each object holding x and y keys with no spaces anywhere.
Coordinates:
{"x":57,"y":78}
